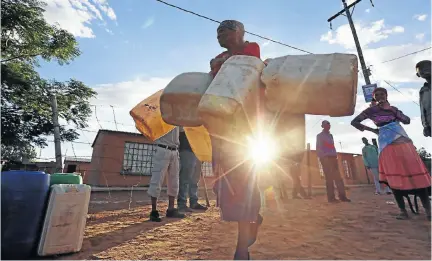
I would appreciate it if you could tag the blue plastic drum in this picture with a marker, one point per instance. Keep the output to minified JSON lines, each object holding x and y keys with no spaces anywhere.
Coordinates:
{"x":24,"y":196}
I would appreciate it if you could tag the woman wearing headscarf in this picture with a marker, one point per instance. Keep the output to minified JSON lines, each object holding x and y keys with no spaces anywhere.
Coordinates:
{"x":400,"y":167}
{"x":236,"y":186}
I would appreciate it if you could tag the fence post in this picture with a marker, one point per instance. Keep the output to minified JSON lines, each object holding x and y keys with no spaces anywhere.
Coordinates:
{"x":308,"y":170}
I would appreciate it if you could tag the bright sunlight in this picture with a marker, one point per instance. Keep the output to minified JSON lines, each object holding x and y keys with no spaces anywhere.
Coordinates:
{"x":261,"y":149}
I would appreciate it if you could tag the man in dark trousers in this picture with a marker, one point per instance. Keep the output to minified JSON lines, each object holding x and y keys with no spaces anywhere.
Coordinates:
{"x":328,"y":157}
{"x":189,"y":176}
{"x":423,"y":69}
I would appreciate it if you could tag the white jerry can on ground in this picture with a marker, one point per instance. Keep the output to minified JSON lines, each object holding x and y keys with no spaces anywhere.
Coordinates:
{"x":65,"y":219}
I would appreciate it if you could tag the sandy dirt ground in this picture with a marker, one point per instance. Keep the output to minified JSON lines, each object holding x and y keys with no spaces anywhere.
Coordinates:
{"x":118,"y":228}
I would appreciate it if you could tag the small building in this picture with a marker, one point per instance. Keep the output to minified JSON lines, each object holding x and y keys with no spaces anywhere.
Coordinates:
{"x":124,"y":159}
{"x":74,"y":164}
{"x":120,"y":159}
{"x":45,"y":166}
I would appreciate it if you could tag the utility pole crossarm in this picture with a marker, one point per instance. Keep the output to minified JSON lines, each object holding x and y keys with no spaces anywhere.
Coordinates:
{"x":342,"y":12}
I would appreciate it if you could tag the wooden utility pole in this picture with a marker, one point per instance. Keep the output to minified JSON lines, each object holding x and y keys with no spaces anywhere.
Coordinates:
{"x":346,"y":10}
{"x":57,"y":141}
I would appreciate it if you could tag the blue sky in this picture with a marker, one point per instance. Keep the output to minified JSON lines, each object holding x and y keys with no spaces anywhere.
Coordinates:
{"x":131,"y":48}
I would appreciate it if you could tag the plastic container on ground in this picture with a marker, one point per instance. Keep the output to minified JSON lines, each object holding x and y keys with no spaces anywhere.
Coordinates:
{"x":65,"y":219}
{"x":232,"y":96}
{"x":180,"y":99}
{"x":148,"y":118}
{"x":199,"y":140}
{"x":65,"y":178}
{"x":319,"y":84}
{"x":23,"y":201}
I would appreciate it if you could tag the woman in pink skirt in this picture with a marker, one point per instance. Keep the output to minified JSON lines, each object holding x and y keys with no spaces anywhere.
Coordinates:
{"x":400,"y":167}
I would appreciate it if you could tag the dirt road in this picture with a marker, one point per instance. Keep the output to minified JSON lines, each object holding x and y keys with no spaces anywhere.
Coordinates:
{"x":312,"y":229}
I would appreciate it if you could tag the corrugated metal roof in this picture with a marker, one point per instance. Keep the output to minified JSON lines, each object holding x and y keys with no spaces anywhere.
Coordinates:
{"x":76,"y":159}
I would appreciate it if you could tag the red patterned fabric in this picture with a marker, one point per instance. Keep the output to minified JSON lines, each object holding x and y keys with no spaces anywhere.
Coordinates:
{"x":402,"y":168}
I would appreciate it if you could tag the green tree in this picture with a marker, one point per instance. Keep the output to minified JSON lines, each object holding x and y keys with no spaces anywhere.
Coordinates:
{"x":426,"y":157}
{"x":26,"y":112}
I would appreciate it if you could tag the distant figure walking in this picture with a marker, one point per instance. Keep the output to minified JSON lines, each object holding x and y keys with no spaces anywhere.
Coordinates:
{"x":370,"y":160}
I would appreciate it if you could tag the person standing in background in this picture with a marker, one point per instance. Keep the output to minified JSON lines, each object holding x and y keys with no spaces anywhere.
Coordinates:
{"x":423,"y":69}
{"x":370,"y":160}
{"x":375,"y":143}
{"x":166,"y":160}
{"x":328,"y":157}
{"x":295,"y":173}
{"x":189,"y":176}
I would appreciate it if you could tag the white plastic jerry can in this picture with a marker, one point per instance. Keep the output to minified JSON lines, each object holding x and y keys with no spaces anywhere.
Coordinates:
{"x":180,"y":99}
{"x":232,"y":96}
{"x":319,"y":84}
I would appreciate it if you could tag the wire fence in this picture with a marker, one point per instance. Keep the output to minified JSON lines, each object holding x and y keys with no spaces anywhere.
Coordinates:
{"x":135,"y":160}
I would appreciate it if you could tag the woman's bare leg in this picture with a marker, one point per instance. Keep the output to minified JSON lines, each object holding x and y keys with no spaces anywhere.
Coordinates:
{"x":242,"y":250}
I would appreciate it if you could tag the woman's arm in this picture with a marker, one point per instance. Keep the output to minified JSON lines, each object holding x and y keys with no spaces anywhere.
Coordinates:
{"x":356,"y":123}
{"x":400,"y":116}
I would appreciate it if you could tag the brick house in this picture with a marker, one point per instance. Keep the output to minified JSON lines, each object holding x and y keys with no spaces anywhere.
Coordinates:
{"x":122,"y":159}
{"x":74,"y":164}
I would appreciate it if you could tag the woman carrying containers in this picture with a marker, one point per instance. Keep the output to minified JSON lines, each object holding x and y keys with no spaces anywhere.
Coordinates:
{"x":236,"y":187}
{"x":400,"y":167}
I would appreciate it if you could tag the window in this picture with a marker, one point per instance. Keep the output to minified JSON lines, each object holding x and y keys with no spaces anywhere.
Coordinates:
{"x":321,"y":170}
{"x":71,"y":168}
{"x":137,"y":158}
{"x":207,"y":169}
{"x":347,"y":169}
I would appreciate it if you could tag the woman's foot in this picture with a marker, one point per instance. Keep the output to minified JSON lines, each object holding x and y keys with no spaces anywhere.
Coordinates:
{"x":403,"y":215}
{"x":254,"y":230}
{"x":244,"y":256}
{"x":377,"y":193}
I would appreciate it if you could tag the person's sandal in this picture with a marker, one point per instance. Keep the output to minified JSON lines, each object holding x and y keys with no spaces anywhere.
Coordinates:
{"x":259,"y":223}
{"x":154,"y":216}
{"x":174,"y":213}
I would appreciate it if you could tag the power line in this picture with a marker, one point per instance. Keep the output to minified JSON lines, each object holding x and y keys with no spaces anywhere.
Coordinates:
{"x":405,"y":55}
{"x":399,"y":91}
{"x":216,"y":21}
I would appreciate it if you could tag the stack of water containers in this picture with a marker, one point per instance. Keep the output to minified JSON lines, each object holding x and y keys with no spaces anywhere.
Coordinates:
{"x":42,"y":214}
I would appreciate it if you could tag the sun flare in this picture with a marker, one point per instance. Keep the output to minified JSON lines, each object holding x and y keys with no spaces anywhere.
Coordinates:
{"x":261,"y":149}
